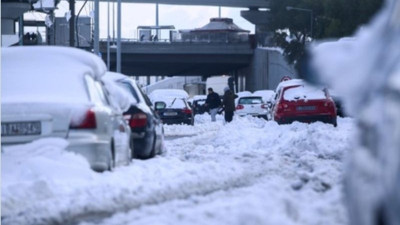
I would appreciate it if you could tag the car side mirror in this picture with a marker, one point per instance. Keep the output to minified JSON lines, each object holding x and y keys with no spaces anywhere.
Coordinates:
{"x":160,"y":105}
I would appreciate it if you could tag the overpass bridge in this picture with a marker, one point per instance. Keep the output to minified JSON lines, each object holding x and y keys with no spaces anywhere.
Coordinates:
{"x":224,"y":3}
{"x":180,"y":58}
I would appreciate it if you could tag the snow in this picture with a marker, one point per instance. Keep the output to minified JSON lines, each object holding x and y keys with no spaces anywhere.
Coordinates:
{"x":304,"y":92}
{"x":267,"y":95}
{"x":248,"y":171}
{"x":35,"y":72}
{"x":121,"y":99}
{"x":277,"y":49}
{"x":364,"y":71}
{"x":288,"y":83}
{"x":168,"y":93}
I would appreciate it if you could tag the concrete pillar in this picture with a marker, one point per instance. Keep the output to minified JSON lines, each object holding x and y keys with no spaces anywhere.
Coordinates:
{"x":261,"y":20}
{"x":10,"y":12}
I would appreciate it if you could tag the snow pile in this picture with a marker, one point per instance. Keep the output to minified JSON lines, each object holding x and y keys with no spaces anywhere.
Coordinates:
{"x":215,"y":173}
{"x":365,"y":72}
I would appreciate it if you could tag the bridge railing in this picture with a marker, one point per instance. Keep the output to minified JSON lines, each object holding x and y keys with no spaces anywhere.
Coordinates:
{"x":200,"y":37}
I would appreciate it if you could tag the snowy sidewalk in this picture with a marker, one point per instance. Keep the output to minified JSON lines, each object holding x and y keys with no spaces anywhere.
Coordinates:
{"x":247,"y":172}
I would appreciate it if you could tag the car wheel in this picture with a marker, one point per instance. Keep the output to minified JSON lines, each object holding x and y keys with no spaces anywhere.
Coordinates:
{"x":153,"y":150}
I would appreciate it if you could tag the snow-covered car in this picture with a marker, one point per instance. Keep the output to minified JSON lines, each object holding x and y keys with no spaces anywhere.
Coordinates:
{"x":171,"y":93}
{"x":145,"y":124}
{"x":174,"y":110}
{"x":242,"y":94}
{"x":252,"y":105}
{"x":267,"y":95}
{"x":298,"y":101}
{"x":268,"y":98}
{"x":58,"y":92}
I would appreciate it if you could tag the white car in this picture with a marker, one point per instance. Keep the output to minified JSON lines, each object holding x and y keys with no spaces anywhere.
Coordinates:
{"x":267,"y":95}
{"x":57,"y":92}
{"x":242,"y":94}
{"x":252,"y":105}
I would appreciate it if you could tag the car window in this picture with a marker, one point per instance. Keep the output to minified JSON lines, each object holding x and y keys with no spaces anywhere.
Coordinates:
{"x":146,"y":98}
{"x":102,"y":94}
{"x":95,"y":91}
{"x":245,"y":101}
{"x":128,"y":87}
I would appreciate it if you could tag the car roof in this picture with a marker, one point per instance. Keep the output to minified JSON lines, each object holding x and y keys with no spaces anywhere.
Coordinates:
{"x":289,"y":83}
{"x":47,"y":59}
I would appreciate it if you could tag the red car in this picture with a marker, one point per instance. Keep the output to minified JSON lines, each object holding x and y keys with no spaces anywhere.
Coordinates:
{"x":298,"y":101}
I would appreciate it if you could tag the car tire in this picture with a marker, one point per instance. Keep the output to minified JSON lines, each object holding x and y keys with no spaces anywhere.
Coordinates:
{"x":111,"y":161}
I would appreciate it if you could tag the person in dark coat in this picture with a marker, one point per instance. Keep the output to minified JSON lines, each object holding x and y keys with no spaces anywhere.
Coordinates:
{"x":213,"y":102}
{"x":229,"y":104}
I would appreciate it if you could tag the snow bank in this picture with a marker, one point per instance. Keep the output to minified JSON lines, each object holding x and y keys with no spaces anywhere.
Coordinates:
{"x":215,"y":173}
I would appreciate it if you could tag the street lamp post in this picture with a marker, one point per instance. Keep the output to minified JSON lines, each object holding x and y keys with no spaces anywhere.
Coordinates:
{"x":289,"y":8}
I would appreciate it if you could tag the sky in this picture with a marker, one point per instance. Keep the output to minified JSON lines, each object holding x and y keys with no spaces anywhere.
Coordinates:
{"x":133,"y":15}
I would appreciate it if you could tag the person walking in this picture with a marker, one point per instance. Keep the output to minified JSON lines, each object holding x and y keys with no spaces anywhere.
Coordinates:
{"x":229,"y":104}
{"x":213,"y":102}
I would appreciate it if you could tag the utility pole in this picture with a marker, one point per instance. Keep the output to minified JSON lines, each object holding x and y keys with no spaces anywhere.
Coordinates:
{"x":108,"y":35}
{"x":157,"y":22}
{"x":21,"y":29}
{"x":118,"y":36}
{"x":72,"y":23}
{"x":96,"y":27}
{"x":219,"y":11}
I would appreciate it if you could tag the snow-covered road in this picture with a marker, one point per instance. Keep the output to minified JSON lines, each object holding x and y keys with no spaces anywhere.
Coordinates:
{"x":247,"y":172}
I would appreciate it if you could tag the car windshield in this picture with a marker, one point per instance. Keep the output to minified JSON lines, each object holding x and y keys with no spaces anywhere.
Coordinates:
{"x":250,"y":100}
{"x":173,"y":103}
{"x":126,"y":86}
{"x":303,"y":92}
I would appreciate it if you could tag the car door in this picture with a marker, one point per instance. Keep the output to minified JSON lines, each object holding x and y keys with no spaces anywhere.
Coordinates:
{"x":121,"y":130}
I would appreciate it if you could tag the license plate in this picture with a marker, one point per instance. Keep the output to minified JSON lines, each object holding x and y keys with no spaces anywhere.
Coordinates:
{"x":306,"y":108}
{"x":170,"y":113}
{"x":21,"y":128}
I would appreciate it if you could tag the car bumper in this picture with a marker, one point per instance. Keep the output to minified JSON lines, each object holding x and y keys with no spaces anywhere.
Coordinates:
{"x":307,"y":119}
{"x":177,"y":120}
{"x":97,"y":152}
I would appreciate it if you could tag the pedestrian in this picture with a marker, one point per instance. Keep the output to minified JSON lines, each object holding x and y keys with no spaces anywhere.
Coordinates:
{"x":229,"y":104}
{"x":213,"y":102}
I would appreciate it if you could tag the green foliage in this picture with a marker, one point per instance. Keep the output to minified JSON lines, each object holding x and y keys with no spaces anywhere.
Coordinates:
{"x":331,"y":19}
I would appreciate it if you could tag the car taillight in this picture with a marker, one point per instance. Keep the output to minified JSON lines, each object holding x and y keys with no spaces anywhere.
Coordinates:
{"x":264,"y":106}
{"x":187,"y":111}
{"x":138,"y":120}
{"x":239,"y":107}
{"x":89,"y":122}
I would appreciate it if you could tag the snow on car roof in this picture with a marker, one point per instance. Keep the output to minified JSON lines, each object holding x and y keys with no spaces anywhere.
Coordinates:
{"x":52,"y":59}
{"x":288,"y":83}
{"x":115,"y":76}
{"x":173,"y":93}
{"x":47,"y":74}
{"x":266,"y":94}
{"x":304,"y":92}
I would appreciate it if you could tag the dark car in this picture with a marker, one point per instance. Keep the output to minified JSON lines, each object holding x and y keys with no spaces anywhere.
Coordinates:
{"x":146,"y":126}
{"x":199,"y":106}
{"x":174,"y":111}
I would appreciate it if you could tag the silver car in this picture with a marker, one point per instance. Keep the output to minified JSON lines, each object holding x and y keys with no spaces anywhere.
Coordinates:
{"x":57,"y":92}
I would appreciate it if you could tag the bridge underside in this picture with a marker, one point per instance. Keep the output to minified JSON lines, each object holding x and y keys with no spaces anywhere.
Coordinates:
{"x":173,"y":64}
{"x":226,"y":3}
{"x":167,"y":59}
